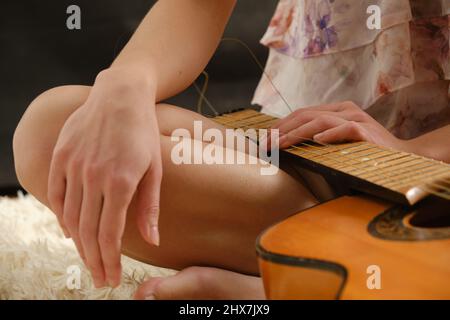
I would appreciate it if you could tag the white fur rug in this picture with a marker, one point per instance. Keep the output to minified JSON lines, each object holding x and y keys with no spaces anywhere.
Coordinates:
{"x":35,"y":257}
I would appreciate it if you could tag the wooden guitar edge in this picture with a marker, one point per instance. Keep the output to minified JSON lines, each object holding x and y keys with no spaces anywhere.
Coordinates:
{"x":281,"y":274}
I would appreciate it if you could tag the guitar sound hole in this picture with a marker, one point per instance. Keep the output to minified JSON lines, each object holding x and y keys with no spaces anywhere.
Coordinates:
{"x":431,"y":213}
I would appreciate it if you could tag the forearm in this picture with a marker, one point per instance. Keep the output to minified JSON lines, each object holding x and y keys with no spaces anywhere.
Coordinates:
{"x":175,"y":41}
{"x":435,"y":144}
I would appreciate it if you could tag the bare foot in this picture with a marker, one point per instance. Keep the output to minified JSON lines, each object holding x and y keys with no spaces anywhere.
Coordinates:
{"x":202,"y":283}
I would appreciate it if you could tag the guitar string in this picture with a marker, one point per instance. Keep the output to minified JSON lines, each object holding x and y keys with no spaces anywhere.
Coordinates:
{"x":333,"y":159}
{"x":256,"y":60}
{"x":387,"y":179}
{"x":202,"y":98}
{"x":202,"y":94}
{"x":260,"y":65}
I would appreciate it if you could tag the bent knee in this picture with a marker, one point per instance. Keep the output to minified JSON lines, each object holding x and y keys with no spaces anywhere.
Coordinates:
{"x":37,"y":131}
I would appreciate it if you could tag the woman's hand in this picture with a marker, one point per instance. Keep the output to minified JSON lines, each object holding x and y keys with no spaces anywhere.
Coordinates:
{"x":334,"y":123}
{"x":108,"y":152}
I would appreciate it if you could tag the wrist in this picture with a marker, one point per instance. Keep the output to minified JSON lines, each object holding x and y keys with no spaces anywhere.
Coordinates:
{"x":128,"y":79}
{"x":411,"y":146}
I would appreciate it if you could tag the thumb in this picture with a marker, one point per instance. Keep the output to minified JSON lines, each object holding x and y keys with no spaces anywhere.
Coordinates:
{"x":148,"y":205}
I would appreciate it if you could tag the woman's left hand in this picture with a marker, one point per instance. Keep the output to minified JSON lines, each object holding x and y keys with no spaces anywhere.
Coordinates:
{"x":334,"y":123}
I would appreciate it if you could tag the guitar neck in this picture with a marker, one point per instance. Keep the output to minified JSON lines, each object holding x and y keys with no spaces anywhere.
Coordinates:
{"x":393,"y":175}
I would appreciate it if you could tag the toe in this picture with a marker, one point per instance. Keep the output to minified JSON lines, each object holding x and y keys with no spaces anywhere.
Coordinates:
{"x":147,"y":289}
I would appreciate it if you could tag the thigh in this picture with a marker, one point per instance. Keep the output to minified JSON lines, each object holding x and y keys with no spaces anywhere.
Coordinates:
{"x":210,"y":214}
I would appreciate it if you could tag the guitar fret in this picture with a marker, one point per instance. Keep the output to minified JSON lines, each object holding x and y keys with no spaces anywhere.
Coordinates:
{"x":375,"y":164}
{"x":345,"y":161}
{"x":390,"y":169}
{"x":348,"y":146}
{"x":380,"y":174}
{"x":327,"y":153}
{"x":353,"y":156}
{"x":306,"y":154}
{"x":309,"y":154}
{"x":265,"y":125}
{"x":227,"y":119}
{"x":403,"y":167}
{"x":404,"y":174}
{"x":429,"y":174}
{"x":256,"y":120}
{"x":383,"y":172}
{"x":388,"y":165}
{"x":342,"y":163}
{"x":356,"y":150}
{"x":362,"y":161}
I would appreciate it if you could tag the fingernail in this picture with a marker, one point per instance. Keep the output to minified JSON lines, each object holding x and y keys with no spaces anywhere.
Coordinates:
{"x":154,"y":235}
{"x":66,"y":233}
{"x":318,"y":136}
{"x":153,"y":229}
{"x":150,"y":297}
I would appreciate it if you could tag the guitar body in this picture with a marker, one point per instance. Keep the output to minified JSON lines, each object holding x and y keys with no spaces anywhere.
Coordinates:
{"x":344,"y":248}
{"x":358,"y":247}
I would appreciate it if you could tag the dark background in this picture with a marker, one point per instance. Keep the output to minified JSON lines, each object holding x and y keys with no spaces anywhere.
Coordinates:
{"x":38,"y":52}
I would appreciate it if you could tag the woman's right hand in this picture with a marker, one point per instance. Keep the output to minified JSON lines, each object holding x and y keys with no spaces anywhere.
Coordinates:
{"x":108,"y":152}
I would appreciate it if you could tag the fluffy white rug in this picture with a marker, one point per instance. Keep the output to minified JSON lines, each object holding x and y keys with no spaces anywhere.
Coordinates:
{"x":35,"y":257}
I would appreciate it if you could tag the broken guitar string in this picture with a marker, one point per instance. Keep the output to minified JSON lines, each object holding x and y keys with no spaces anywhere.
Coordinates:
{"x":202,"y":91}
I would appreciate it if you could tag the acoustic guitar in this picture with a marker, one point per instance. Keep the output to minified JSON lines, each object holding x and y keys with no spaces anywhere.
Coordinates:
{"x":386,"y":237}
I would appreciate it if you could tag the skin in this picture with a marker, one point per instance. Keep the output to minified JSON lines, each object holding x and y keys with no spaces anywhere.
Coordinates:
{"x":99,"y":157}
{"x":90,"y":191}
{"x":345,"y":121}
{"x":201,"y":219}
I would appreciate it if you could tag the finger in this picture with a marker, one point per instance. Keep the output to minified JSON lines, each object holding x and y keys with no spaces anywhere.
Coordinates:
{"x":56,"y":193}
{"x":89,"y":222}
{"x":72,"y":207}
{"x":306,"y":116}
{"x":334,"y":107}
{"x":111,"y":230}
{"x":348,"y":131}
{"x":309,"y":130}
{"x":299,"y":120}
{"x":148,"y":199}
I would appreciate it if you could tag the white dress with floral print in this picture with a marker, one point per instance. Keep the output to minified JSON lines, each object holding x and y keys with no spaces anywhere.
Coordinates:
{"x":321,"y":51}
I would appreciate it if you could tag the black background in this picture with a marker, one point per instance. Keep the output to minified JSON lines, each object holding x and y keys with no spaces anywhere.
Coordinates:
{"x":38,"y":52}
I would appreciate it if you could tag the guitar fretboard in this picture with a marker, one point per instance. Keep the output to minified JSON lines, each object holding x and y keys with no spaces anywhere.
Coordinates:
{"x":395,"y":175}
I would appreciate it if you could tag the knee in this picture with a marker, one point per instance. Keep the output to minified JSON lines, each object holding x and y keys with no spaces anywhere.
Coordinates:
{"x":37,"y":132}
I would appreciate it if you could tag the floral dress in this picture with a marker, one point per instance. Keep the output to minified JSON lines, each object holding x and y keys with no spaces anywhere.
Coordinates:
{"x":322,"y":51}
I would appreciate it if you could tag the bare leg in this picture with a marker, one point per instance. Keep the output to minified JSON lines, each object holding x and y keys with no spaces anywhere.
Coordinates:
{"x":210,"y":214}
